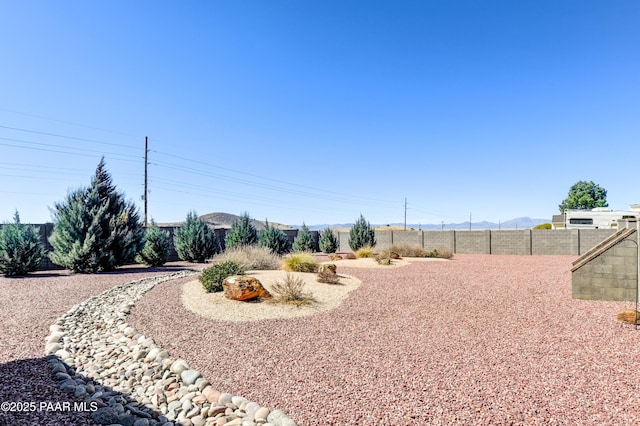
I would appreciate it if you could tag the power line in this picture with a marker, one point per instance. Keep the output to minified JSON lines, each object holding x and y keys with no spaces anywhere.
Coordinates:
{"x":67,"y":137}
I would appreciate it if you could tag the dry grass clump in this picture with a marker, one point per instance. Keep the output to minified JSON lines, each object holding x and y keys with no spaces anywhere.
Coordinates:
{"x":300,"y":262}
{"x":413,"y":250}
{"x":291,"y":292}
{"x":364,"y":252}
{"x":251,"y":257}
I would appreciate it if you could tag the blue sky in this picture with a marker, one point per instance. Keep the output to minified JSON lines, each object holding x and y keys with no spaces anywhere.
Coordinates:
{"x":318,"y":111}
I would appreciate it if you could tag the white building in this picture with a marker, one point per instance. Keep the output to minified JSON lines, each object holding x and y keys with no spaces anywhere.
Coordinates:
{"x":598,"y":218}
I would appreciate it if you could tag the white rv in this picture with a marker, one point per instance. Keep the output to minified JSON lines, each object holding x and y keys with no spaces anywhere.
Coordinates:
{"x":598,"y":218}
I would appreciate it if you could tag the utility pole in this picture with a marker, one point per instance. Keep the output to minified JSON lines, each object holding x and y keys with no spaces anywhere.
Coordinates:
{"x":469,"y":221}
{"x":146,"y":162}
{"x":405,"y":213}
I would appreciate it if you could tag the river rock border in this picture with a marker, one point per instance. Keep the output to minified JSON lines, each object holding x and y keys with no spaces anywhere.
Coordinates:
{"x":124,"y":378}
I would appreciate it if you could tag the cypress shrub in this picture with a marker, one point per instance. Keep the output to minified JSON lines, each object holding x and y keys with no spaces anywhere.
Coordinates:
{"x":304,"y":240}
{"x":361,"y":235}
{"x":328,"y":241}
{"x":273,"y":239}
{"x":95,"y":229}
{"x":242,"y":233}
{"x":156,"y":246}
{"x":20,"y":249}
{"x":194,"y":240}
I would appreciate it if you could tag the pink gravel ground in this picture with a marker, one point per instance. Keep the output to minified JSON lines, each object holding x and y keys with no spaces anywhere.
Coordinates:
{"x":28,"y":307}
{"x":480,"y":339}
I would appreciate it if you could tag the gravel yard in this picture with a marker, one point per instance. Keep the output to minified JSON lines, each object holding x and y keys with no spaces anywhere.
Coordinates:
{"x":479,"y":339}
{"x":476,"y":340}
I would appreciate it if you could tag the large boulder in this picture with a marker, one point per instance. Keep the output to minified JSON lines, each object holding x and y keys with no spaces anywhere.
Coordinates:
{"x":244,"y":287}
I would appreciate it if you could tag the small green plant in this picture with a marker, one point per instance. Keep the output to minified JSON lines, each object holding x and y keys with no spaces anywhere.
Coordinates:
{"x":251,"y":257}
{"x":328,"y":241}
{"x":304,"y":240}
{"x":194,"y":240}
{"x":361,"y":234}
{"x":384,"y":261}
{"x":273,"y":239}
{"x":441,"y":253}
{"x":20,"y":249}
{"x":364,"y":252}
{"x":156,"y":246}
{"x":242,"y":233}
{"x":213,"y":276}
{"x":291,"y":291}
{"x":300,"y":262}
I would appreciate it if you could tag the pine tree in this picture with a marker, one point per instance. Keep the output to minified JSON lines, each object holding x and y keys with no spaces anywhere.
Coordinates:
{"x":20,"y":249}
{"x":328,"y":241}
{"x":274,"y":239}
{"x":156,"y":246}
{"x":304,"y":240}
{"x":95,"y":229}
{"x":194,"y":240}
{"x":361,"y":235}
{"x":242,"y":233}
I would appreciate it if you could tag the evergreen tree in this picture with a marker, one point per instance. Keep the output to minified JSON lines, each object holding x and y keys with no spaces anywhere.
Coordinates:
{"x":242,"y":233}
{"x":304,"y":240}
{"x":274,"y":239}
{"x":20,"y":249}
{"x":156,"y":246}
{"x":95,"y":229}
{"x":584,"y":195}
{"x":194,"y":240}
{"x":328,"y":241}
{"x":361,"y":234}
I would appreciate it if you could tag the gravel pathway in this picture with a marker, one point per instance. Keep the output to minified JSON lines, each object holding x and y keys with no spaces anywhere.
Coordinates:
{"x":481,"y":339}
{"x":29,"y":306}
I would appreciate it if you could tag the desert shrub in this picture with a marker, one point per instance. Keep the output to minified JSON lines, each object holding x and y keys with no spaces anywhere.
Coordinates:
{"x":212,"y":277}
{"x":291,"y":291}
{"x":95,"y":229}
{"x":251,"y":257}
{"x":328,"y":241}
{"x":304,"y":240}
{"x":328,"y":276}
{"x":273,"y":239}
{"x":543,"y":226}
{"x":242,"y":233}
{"x":364,"y":252}
{"x":155,"y":246}
{"x":409,"y":250}
{"x":361,"y":234}
{"x":441,"y":253}
{"x":300,"y":262}
{"x":194,"y":240}
{"x":384,"y":260}
{"x":20,"y":249}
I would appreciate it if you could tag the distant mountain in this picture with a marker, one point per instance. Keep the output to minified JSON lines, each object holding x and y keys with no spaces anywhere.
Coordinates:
{"x":226,"y":220}
{"x":518,"y":223}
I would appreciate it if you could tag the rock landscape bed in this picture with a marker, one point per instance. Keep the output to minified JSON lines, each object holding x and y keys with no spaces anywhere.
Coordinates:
{"x":479,"y":339}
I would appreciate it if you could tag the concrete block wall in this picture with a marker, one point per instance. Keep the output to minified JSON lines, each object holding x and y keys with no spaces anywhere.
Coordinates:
{"x":557,"y":241}
{"x":612,"y":275}
{"x":473,"y":242}
{"x":440,"y":239}
{"x":511,"y":242}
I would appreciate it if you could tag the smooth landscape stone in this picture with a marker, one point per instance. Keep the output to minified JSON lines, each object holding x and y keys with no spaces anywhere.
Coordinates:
{"x":96,"y":356}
